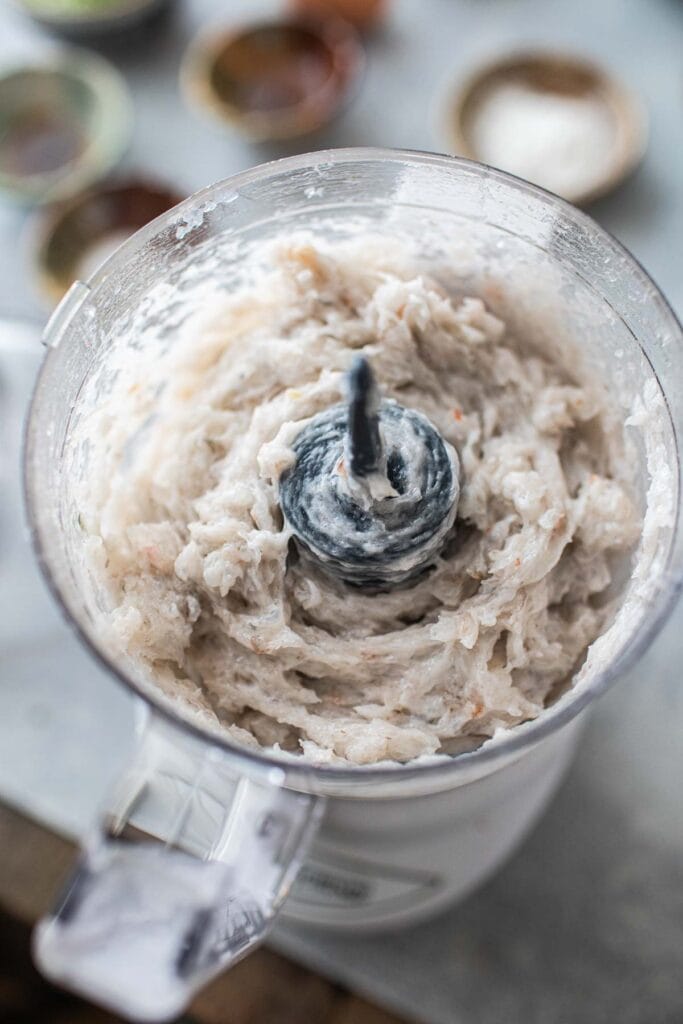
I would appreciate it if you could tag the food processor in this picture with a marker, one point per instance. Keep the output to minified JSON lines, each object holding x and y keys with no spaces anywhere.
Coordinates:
{"x":204,"y":842}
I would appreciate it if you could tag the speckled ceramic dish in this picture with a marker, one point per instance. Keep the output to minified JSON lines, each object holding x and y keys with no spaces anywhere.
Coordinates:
{"x":71,"y":240}
{"x":550,"y":76}
{"x":274,"y":79}
{"x":64,"y":123}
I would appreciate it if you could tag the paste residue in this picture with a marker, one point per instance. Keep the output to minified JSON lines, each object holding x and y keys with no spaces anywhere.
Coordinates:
{"x":205,"y":591}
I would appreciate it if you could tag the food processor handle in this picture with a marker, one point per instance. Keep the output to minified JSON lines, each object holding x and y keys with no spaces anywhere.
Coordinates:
{"x":182,"y":877}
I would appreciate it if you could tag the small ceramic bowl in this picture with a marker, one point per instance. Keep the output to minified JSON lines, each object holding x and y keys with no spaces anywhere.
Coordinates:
{"x":363,"y":14}
{"x":274,"y":79}
{"x":64,"y":124}
{"x":72,"y":239}
{"x":543,"y":83}
{"x":89,"y":17}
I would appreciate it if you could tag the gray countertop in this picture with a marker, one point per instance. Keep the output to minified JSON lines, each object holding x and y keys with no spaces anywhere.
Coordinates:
{"x":585,"y":924}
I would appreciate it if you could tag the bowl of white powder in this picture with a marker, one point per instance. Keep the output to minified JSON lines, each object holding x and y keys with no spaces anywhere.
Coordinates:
{"x":556,"y":120}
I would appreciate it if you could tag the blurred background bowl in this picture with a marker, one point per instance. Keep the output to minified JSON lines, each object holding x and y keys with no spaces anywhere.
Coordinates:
{"x":276,"y":79}
{"x":71,"y":240}
{"x":364,"y":14}
{"x":540,"y":80}
{"x":64,"y":124}
{"x":90,"y":17}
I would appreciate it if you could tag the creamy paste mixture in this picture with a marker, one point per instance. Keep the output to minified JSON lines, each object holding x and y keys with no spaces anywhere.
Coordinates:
{"x":207,"y":593}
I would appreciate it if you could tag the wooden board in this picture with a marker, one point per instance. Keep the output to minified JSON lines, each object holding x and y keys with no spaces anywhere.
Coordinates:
{"x":263,"y":989}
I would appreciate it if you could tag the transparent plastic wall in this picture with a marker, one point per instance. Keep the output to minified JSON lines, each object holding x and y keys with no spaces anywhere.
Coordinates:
{"x":545,"y":267}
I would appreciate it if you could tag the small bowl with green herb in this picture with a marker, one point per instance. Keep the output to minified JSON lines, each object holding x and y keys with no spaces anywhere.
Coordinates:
{"x":89,"y":17}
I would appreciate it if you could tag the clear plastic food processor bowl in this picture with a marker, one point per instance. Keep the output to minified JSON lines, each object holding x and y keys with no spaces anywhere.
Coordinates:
{"x":201,"y":841}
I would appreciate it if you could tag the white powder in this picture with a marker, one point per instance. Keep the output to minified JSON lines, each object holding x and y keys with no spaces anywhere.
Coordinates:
{"x":562,"y":142}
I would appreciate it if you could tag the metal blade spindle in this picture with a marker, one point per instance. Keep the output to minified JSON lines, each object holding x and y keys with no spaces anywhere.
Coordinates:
{"x":372,"y":494}
{"x":364,"y":443}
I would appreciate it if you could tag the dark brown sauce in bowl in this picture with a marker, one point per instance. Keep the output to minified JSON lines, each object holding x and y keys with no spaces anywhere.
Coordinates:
{"x":72,"y":236}
{"x":38,"y":143}
{"x":42,"y":123}
{"x":63,"y":123}
{"x":276,"y":79}
{"x":271,"y":69}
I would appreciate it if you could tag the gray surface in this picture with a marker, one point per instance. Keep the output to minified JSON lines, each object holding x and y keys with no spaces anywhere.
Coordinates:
{"x":64,"y":726}
{"x":586,"y":923}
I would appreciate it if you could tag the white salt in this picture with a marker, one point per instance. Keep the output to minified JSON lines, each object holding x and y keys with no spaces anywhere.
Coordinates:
{"x":562,"y":142}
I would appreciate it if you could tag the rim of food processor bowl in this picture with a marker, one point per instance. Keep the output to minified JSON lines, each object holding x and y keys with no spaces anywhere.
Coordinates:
{"x":308,"y":776}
